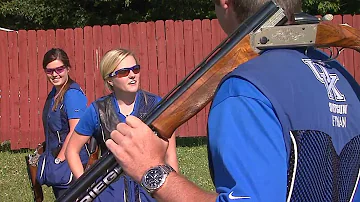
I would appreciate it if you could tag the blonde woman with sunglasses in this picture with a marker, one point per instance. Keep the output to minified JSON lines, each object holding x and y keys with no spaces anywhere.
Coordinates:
{"x":121,"y":74}
{"x":64,"y":105}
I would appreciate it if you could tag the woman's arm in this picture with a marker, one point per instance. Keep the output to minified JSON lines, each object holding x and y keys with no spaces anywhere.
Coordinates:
{"x":72,"y":124}
{"x":73,"y":153}
{"x":75,"y":105}
{"x":171,"y":157}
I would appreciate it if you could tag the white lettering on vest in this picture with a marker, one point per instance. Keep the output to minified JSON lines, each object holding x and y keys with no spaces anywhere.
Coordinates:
{"x":339,"y":121}
{"x":338,"y":109}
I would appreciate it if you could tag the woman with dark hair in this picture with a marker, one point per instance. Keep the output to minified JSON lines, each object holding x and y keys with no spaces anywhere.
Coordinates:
{"x":63,"y":108}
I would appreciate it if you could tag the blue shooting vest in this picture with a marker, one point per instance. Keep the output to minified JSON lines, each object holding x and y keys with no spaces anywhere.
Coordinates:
{"x":319,"y":103}
{"x":123,"y":189}
{"x":56,"y":128}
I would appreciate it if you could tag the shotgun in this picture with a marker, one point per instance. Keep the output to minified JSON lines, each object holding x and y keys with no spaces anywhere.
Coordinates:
{"x":31,"y":165}
{"x":195,"y":91}
{"x":94,"y":153}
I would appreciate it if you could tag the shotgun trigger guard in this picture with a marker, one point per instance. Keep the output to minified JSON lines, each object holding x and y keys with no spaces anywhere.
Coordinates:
{"x":332,"y":57}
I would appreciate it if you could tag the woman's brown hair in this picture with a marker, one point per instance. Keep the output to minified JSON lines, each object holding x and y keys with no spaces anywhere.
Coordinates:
{"x":58,"y":54}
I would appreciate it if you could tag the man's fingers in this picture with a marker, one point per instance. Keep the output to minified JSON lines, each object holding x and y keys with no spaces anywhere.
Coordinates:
{"x":123,"y":128}
{"x":117,"y":136}
{"x":112,"y":146}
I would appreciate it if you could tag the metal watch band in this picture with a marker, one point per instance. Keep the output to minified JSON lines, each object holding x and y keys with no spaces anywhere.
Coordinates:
{"x":168,"y":169}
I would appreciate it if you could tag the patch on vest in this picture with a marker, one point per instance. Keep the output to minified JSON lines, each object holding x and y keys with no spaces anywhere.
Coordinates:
{"x":339,"y":111}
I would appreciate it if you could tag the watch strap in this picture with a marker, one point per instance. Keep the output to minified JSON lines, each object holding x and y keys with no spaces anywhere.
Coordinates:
{"x":168,"y":169}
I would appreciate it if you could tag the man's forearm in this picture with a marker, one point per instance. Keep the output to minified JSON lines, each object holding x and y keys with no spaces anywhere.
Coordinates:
{"x":178,"y":189}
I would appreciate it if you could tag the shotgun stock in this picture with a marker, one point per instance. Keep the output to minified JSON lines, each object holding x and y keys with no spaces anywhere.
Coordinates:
{"x":31,"y":164}
{"x":343,"y":36}
{"x":94,"y":153}
{"x":198,"y":88}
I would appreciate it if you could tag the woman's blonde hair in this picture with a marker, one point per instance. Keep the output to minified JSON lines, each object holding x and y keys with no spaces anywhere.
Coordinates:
{"x":110,"y":61}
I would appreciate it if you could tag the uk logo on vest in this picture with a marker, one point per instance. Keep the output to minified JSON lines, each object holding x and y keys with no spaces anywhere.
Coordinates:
{"x":329,"y":80}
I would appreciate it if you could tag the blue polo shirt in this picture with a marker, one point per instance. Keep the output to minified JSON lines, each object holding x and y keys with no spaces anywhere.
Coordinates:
{"x":74,"y":101}
{"x":246,"y":144}
{"x":89,"y":122}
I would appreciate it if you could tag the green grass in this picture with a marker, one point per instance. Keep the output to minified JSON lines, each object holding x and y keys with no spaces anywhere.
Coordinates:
{"x":15,"y":185}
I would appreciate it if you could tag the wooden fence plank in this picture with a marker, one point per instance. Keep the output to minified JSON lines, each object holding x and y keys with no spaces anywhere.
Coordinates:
{"x":189,"y":66}
{"x":23,"y":135}
{"x":4,"y":88}
{"x":79,"y":57}
{"x":206,"y":37}
{"x":89,"y":64}
{"x":152,"y":54}
{"x":161,"y":47}
{"x":179,"y":51}
{"x":42,"y":79}
{"x":215,"y":33}
{"x":124,"y":36}
{"x":50,"y":43}
{"x":69,"y":48}
{"x":99,"y":84}
{"x":106,"y":39}
{"x":60,"y":39}
{"x":115,"y":36}
{"x":34,"y":128}
{"x":348,"y":53}
{"x":180,"y":66}
{"x":144,"y":57}
{"x":14,"y":90}
{"x":134,"y":30}
{"x":170,"y":54}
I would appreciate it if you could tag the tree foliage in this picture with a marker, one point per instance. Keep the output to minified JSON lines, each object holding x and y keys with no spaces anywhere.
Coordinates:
{"x":51,"y":14}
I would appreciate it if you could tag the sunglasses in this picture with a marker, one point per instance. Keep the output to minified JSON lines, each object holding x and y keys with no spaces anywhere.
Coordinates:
{"x":58,"y":70}
{"x":125,"y":71}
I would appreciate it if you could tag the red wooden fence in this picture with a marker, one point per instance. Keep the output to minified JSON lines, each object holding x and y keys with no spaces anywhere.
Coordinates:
{"x":167,"y":51}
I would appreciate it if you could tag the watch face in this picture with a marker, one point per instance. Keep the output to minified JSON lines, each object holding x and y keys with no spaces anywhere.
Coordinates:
{"x":154,"y":178}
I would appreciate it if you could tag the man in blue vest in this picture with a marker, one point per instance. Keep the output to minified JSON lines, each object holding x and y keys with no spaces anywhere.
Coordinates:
{"x":282,"y":127}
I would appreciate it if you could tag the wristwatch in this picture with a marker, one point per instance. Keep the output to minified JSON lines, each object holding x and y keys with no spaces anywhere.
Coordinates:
{"x":155,"y":177}
{"x":57,"y":161}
